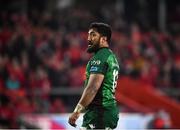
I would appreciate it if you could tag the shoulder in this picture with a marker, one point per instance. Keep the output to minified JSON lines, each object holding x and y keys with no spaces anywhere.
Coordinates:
{"x":103,"y":54}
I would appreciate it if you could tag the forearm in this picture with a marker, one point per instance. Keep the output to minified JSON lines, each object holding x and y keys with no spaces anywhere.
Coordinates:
{"x":89,"y":92}
{"x":87,"y":96}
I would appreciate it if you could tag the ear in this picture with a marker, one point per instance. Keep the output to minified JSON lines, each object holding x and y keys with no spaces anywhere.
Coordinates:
{"x":103,"y":39}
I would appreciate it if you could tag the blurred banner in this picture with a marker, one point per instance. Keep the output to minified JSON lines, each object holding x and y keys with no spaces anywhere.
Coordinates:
{"x":60,"y":121}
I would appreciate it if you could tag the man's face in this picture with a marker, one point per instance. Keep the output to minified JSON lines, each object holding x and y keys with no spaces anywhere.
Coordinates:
{"x":93,"y":40}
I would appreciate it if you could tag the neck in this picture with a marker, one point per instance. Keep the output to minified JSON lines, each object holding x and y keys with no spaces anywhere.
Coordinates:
{"x":102,"y":48}
{"x":104,"y":45}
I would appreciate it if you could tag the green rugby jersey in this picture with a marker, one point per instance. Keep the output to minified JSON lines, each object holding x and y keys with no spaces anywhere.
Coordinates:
{"x":104,"y":61}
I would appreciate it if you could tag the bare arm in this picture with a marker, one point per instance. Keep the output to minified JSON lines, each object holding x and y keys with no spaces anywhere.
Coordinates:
{"x":95,"y":81}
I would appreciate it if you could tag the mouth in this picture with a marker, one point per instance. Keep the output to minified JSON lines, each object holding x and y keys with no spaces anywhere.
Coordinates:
{"x":90,"y":44}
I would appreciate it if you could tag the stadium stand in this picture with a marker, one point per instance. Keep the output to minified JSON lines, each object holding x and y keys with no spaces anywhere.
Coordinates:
{"x":42,"y":49}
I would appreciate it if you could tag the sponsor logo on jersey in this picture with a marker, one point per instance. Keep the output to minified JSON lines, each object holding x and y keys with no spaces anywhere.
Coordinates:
{"x":93,"y":68}
{"x":95,"y":62}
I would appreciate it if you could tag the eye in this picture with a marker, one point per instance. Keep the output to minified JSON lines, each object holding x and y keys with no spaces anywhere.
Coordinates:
{"x":93,"y":34}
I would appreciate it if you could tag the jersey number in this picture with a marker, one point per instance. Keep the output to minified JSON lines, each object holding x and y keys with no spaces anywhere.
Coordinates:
{"x":115,"y":77}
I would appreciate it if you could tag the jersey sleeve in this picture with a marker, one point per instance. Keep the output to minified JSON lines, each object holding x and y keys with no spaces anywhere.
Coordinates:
{"x":98,"y":65}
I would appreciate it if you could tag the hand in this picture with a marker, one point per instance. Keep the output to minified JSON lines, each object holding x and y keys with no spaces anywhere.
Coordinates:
{"x":72,"y":119}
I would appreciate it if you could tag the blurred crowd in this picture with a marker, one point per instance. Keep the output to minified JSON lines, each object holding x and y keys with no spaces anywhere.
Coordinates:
{"x":41,"y":51}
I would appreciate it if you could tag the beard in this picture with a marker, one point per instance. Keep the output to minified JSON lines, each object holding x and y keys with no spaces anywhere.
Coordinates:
{"x":93,"y":47}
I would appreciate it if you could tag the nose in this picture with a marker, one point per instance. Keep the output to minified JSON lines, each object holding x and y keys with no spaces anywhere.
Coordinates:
{"x":88,"y":38}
